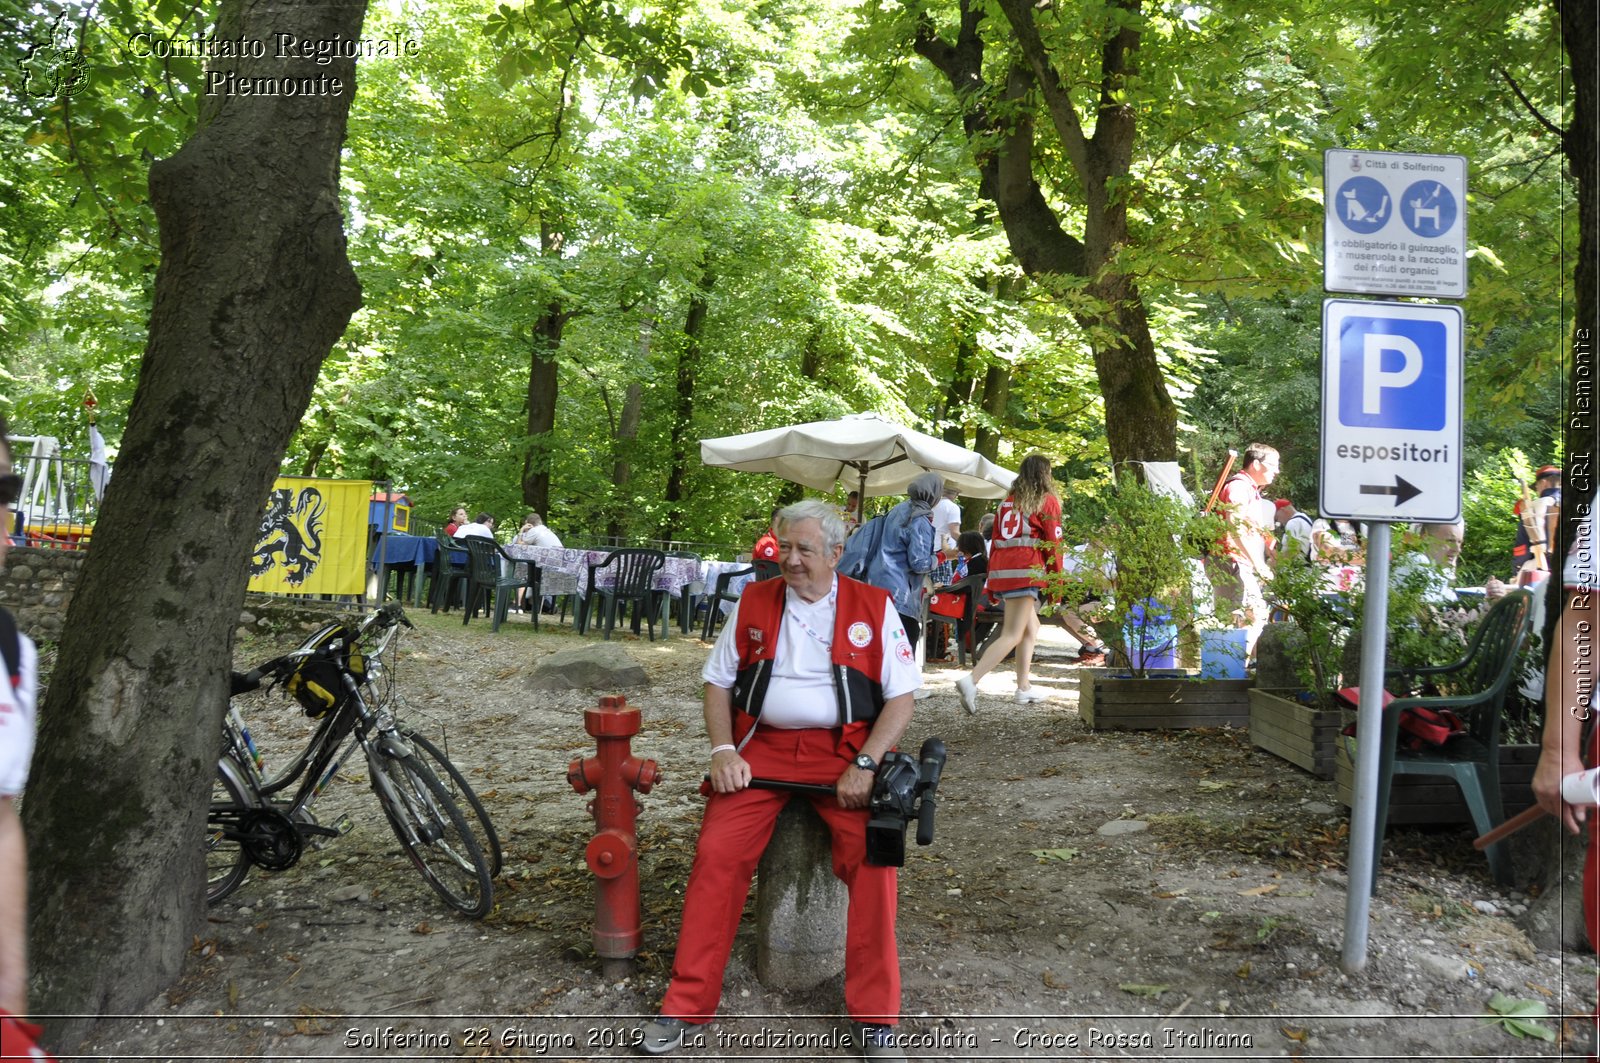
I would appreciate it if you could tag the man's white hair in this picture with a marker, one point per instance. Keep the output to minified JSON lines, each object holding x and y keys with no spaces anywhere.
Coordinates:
{"x":824,"y":513}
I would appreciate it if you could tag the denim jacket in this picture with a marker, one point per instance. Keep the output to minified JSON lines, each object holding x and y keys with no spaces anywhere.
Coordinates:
{"x":906,"y":556}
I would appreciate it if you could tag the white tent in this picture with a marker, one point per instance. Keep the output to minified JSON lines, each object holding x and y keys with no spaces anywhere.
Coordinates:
{"x":864,"y":451}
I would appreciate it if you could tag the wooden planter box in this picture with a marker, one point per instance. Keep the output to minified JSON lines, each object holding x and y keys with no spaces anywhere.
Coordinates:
{"x":1424,"y":800}
{"x":1300,"y":734}
{"x":1109,"y":700}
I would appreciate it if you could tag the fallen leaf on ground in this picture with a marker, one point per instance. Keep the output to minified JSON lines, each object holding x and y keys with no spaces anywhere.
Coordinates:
{"x":1046,"y":855}
{"x":1520,"y":1018}
{"x":1140,"y":990}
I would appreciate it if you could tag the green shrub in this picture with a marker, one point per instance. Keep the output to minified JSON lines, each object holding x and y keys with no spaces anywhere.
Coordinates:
{"x":1140,"y":549}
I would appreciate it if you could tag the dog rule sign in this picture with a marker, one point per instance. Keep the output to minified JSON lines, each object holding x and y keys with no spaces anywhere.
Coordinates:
{"x":1394,"y":224}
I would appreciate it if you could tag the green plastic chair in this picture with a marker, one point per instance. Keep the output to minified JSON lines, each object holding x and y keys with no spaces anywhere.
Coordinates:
{"x":1474,"y":688}
{"x":486,"y":583}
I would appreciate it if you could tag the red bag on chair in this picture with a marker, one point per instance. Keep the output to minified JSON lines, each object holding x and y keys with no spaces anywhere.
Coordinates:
{"x":1420,"y":727}
{"x":17,"y":1040}
{"x":950,"y":605}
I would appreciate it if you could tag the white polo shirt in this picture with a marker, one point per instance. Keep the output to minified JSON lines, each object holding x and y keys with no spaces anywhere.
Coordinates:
{"x":800,"y":690}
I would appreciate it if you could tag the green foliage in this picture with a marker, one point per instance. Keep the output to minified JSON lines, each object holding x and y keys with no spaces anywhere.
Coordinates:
{"x":1489,"y":496}
{"x":1422,"y":629}
{"x":1139,"y":560}
{"x":792,"y":167}
{"x":1300,"y":588}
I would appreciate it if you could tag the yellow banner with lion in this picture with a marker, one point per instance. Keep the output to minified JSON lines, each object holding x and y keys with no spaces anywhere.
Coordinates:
{"x":312,"y":538}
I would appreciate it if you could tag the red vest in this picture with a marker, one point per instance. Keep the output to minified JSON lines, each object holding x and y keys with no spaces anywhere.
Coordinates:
{"x":1233,"y":512}
{"x":1022,"y":548}
{"x":857,"y":670}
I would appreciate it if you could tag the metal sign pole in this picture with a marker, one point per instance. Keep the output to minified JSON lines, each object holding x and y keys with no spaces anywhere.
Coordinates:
{"x":1364,"y":828}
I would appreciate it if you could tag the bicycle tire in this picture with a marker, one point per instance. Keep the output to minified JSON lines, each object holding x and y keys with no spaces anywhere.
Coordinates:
{"x":227,"y":864}
{"x":456,"y":784}
{"x":444,"y":853}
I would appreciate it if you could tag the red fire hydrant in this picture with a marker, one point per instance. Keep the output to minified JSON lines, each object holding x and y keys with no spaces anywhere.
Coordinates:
{"x":613,"y":853}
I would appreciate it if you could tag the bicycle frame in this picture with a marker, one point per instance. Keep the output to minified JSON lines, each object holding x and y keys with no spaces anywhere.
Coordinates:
{"x":255,"y":825}
{"x":322,"y":756}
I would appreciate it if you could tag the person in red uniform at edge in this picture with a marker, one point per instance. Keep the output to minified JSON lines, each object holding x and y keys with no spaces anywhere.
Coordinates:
{"x":766,"y":547}
{"x":1569,"y":708}
{"x":1239,"y":569}
{"x":810,"y":681}
{"x":1024,"y":545}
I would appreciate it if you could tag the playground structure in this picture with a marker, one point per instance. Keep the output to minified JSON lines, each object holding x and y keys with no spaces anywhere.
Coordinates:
{"x":59,"y":500}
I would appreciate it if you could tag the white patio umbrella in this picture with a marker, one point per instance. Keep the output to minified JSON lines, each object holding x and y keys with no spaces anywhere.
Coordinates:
{"x":866,"y":451}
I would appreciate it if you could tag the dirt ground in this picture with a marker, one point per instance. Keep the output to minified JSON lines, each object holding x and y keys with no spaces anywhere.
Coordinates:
{"x":1043,"y":923}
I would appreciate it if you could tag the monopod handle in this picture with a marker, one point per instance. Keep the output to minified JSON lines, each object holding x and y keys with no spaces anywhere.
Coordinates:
{"x":932,"y":758}
{"x":812,"y":788}
{"x":925,"y":819}
{"x":932,"y":769}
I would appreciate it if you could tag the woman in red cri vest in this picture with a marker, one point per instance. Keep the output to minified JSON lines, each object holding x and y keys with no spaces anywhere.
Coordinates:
{"x":1024,"y":545}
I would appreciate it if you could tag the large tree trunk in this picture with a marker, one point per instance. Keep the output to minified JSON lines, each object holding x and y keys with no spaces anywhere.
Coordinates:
{"x":253,"y":290}
{"x":542,"y":381}
{"x":544,"y":343}
{"x":1141,"y":419}
{"x":688,"y":375}
{"x":622,"y":448}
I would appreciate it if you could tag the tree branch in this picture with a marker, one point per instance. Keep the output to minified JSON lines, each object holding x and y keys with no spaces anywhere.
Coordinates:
{"x":1063,"y":115}
{"x":1527,"y":103}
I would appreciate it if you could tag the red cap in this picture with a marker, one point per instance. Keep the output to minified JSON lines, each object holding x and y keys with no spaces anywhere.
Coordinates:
{"x":1284,"y":503}
{"x":1547,"y":470}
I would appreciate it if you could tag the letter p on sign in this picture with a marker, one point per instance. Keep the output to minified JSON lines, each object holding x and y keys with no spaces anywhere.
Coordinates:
{"x":1375,"y":378}
{"x":1392,"y":373}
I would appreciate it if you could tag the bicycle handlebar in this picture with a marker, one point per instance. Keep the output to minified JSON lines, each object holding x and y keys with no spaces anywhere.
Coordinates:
{"x":385,"y":617}
{"x":244,"y":682}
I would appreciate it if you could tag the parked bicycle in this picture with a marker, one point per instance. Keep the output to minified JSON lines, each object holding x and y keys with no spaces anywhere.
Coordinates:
{"x":342,"y":676}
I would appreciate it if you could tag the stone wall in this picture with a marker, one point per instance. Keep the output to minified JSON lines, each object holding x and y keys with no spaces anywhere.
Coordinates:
{"x":37,"y":586}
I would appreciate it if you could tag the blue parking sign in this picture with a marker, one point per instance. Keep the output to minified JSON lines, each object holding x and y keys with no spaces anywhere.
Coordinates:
{"x":1392,"y":373}
{"x":1391,"y":411}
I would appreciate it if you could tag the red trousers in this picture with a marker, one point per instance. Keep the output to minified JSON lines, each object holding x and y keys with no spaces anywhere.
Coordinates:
{"x":733,"y":834}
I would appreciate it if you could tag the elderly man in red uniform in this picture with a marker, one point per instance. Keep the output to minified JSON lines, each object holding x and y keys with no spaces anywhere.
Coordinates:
{"x":811,"y":681}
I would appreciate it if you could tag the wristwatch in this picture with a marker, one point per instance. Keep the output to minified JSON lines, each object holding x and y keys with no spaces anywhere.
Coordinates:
{"x":865,"y":763}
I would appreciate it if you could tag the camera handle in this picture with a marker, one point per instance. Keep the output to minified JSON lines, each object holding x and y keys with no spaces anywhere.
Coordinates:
{"x":931,"y":768}
{"x":812,"y":788}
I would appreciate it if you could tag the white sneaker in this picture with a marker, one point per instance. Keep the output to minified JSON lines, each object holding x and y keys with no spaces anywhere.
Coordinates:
{"x":967,"y":690}
{"x":1031,"y":695}
{"x":661,"y":1035}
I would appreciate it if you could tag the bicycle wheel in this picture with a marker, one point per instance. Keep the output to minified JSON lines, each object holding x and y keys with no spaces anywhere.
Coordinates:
{"x":226,"y":862}
{"x":457,"y":786}
{"x":434,"y":833}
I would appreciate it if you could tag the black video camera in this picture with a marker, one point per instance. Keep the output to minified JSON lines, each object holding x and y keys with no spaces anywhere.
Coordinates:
{"x":902,"y":790}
